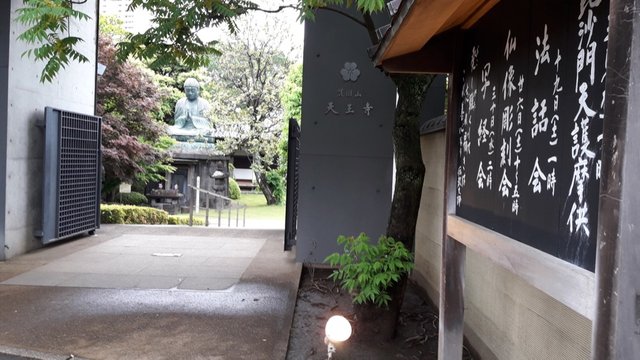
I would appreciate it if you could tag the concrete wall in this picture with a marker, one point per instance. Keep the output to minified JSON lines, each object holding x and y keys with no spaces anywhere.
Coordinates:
{"x":505,"y":318}
{"x":72,"y":90}
{"x":346,"y":152}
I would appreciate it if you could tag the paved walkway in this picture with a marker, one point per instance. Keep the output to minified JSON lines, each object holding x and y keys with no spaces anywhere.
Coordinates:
{"x":143,"y":292}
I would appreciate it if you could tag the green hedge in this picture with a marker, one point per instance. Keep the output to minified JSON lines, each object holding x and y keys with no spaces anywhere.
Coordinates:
{"x":129,"y":214}
{"x":178,"y":220}
{"x":132,"y":198}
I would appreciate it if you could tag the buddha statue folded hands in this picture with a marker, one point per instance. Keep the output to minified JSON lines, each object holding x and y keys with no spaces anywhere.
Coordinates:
{"x":191,"y":112}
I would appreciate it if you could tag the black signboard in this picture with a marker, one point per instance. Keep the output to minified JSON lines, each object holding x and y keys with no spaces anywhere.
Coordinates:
{"x":530,"y":124}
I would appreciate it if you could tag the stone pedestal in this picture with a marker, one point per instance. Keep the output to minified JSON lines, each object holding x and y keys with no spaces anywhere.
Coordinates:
{"x":198,"y":158}
{"x":168,"y":200}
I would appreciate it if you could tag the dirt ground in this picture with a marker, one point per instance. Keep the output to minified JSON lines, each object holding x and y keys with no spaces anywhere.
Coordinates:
{"x":320,"y":298}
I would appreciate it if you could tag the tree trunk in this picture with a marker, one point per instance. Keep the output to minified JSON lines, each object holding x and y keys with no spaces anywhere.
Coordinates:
{"x":263,"y":184}
{"x":409,"y":166}
{"x":412,"y":90}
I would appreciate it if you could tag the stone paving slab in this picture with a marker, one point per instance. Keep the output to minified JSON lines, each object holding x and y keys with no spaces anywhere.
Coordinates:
{"x":150,"y":262}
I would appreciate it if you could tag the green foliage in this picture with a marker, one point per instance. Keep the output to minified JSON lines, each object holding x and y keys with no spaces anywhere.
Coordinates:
{"x":234,"y":189}
{"x":370,"y":6}
{"x":170,"y":93}
{"x":129,"y":214}
{"x":171,"y":43}
{"x":368,"y":270}
{"x":48,"y":21}
{"x":366,"y":6}
{"x":155,"y":171}
{"x":179,"y":220}
{"x":173,"y":40}
{"x":276,"y":183}
{"x":291,"y":100}
{"x":291,"y":93}
{"x":112,"y":27}
{"x":132,"y":198}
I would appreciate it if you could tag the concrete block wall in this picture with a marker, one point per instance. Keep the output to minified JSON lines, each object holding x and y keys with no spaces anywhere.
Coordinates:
{"x":505,"y":318}
{"x":73,"y":89}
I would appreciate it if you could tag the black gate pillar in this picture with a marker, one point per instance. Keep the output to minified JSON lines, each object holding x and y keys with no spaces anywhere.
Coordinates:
{"x":293,"y":164}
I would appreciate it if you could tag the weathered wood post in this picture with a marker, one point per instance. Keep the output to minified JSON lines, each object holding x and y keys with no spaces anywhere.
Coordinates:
{"x":206,"y":218}
{"x":451,"y":321}
{"x":191,"y":206}
{"x":616,"y":334}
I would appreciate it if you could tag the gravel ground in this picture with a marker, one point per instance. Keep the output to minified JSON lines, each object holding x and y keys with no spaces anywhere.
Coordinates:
{"x":319,"y":298}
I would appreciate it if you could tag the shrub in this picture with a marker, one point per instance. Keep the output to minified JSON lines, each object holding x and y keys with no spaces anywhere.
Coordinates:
{"x":367,"y":270}
{"x":129,"y":214}
{"x":132,"y":198}
{"x":234,"y":189}
{"x":276,"y":183}
{"x":179,"y":220}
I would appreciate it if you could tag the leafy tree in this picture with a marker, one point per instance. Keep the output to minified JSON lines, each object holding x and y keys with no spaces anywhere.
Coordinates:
{"x":291,"y":100}
{"x":170,"y":93}
{"x":246,"y":83}
{"x":291,"y":94}
{"x":133,"y":145}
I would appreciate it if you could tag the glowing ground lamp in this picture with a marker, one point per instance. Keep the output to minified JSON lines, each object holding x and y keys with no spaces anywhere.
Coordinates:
{"x":337,"y":330}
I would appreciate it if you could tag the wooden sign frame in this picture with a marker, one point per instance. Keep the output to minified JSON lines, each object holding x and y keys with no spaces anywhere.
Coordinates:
{"x":611,"y":296}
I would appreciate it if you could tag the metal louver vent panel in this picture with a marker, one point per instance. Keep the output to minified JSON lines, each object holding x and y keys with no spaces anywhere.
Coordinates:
{"x":71,"y":202}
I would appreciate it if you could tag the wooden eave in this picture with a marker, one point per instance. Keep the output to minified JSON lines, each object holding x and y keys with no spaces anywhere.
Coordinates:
{"x":407,"y":44}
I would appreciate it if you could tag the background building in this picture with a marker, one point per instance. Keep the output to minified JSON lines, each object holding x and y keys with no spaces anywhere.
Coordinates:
{"x":134,"y":21}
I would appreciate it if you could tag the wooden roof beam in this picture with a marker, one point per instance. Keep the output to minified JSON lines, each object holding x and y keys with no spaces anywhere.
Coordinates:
{"x":436,"y":57}
{"x":418,"y":21}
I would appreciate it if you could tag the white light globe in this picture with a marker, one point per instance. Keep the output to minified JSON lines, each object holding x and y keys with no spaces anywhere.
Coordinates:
{"x":338,"y":329}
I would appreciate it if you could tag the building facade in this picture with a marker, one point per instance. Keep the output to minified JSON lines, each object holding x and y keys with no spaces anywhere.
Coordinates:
{"x":134,"y":21}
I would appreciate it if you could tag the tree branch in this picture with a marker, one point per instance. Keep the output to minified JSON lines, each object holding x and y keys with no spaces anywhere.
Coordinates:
{"x":297,"y":7}
{"x":351,"y":17}
{"x":276,"y":10}
{"x":371,"y":28}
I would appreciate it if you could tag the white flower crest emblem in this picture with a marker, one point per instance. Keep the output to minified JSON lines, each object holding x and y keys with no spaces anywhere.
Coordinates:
{"x":350,"y":72}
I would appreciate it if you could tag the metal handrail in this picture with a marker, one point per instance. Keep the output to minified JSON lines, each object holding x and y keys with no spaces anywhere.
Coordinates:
{"x":232,"y":202}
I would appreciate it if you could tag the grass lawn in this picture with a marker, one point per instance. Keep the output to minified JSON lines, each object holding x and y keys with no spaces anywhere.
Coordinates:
{"x":257,"y":209}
